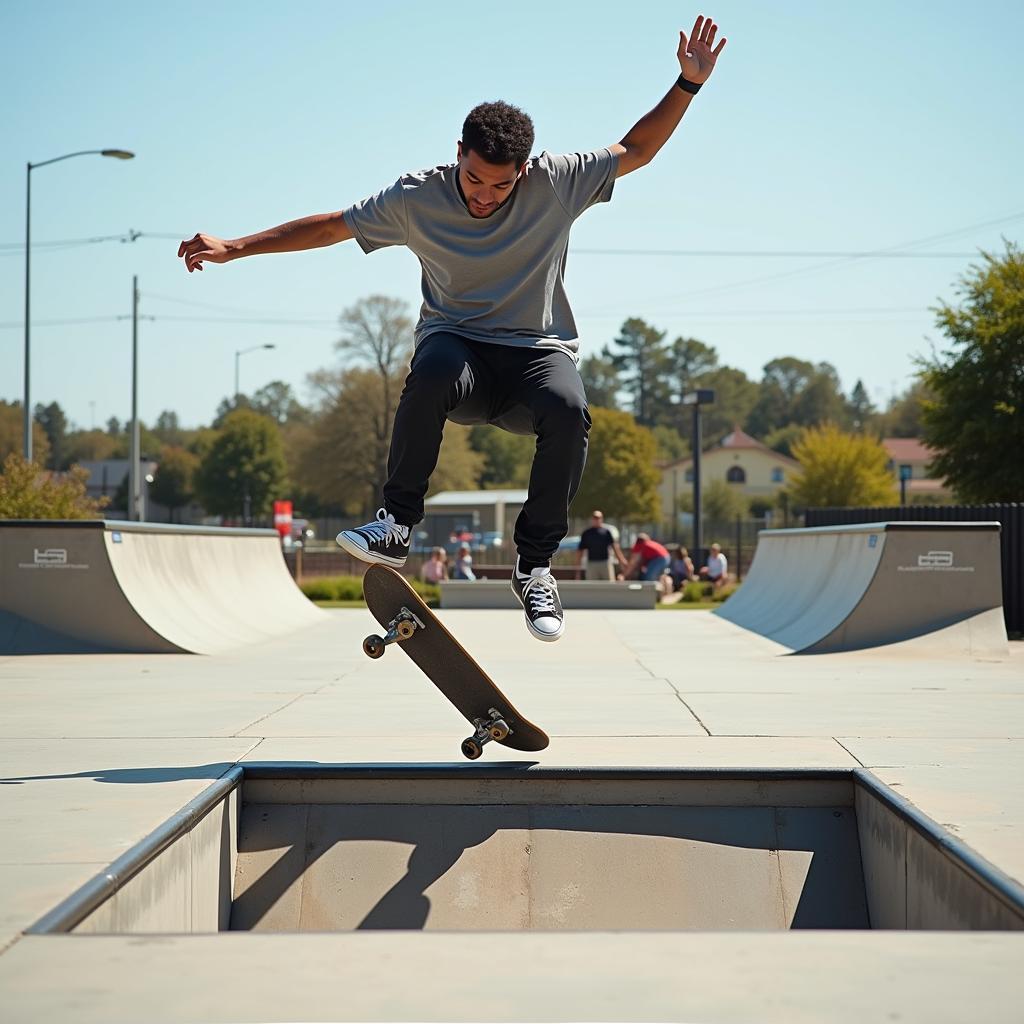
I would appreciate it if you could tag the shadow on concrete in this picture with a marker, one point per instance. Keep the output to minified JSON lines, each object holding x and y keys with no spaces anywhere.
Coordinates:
{"x":281,"y":847}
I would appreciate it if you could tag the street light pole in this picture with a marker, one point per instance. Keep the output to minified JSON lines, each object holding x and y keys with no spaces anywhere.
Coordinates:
{"x":118,"y":154}
{"x":702,"y":396}
{"x":134,"y":485}
{"x":238,"y":356}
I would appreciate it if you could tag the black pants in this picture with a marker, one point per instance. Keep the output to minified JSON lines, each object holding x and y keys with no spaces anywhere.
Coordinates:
{"x":522,"y":390}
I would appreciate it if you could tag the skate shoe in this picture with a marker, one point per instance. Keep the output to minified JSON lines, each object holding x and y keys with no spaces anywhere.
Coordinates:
{"x":538,"y":594}
{"x":382,"y":540}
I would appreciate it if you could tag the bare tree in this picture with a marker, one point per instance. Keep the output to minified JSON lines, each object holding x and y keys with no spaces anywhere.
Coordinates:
{"x":377,"y":337}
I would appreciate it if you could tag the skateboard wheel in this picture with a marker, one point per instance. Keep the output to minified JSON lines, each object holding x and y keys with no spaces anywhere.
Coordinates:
{"x":405,"y":630}
{"x":499,"y":730}
{"x":471,"y":749}
{"x":373,"y":646}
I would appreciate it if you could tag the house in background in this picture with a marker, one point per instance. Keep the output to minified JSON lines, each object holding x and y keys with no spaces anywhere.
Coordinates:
{"x":738,"y":459}
{"x":910,"y":460}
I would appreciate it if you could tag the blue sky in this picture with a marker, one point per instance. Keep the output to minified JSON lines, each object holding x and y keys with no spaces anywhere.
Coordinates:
{"x":826,"y":127}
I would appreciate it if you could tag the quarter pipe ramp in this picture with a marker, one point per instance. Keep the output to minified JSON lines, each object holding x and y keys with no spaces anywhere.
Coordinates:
{"x":105,"y":586}
{"x":842,"y":588}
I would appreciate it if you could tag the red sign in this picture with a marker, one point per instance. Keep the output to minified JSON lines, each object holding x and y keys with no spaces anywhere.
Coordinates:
{"x":283,"y":518}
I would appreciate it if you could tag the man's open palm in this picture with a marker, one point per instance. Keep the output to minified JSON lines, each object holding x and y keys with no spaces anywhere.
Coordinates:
{"x":696,"y":58}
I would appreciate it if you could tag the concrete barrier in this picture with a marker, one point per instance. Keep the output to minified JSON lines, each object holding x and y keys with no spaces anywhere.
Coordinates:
{"x":573,"y":594}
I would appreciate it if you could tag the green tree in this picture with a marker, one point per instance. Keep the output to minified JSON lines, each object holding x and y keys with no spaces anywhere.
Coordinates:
{"x":722,"y":503}
{"x":458,"y":465}
{"x":174,"y":481}
{"x":244,"y":466}
{"x":168,"y":429}
{"x":55,"y":424}
{"x":641,"y":361}
{"x":600,"y":381}
{"x":12,"y":434}
{"x":862,"y":411}
{"x":342,"y":459}
{"x":688,"y":361}
{"x":976,"y":419}
{"x":88,"y":446}
{"x":670,"y":444}
{"x":840,"y":469}
{"x":902,"y":417}
{"x":796,"y":391}
{"x":620,"y":476}
{"x":783,"y":439}
{"x":377,"y":334}
{"x":735,"y":396}
{"x":277,"y":400}
{"x":29,"y":492}
{"x":507,"y":458}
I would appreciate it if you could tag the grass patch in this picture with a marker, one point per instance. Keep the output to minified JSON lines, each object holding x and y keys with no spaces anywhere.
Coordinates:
{"x":347,"y":591}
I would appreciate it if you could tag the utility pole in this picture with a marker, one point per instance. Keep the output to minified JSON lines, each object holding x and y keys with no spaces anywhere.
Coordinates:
{"x":134,"y":484}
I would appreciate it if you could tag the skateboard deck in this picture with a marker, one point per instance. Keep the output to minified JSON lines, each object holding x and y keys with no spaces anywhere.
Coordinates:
{"x":408,"y":622}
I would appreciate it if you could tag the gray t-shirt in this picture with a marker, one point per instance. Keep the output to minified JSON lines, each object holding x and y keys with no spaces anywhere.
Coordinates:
{"x":501,"y":278}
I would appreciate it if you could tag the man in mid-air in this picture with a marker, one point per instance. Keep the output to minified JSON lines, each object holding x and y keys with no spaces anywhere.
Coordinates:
{"x":496,"y":341}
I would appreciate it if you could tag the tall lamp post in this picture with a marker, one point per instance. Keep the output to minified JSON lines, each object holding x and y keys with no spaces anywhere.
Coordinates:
{"x":238,"y":356}
{"x":117,"y":154}
{"x":702,"y":396}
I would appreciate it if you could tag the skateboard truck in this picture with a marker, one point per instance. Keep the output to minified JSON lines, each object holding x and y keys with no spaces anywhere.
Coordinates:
{"x":400,"y":628}
{"x":487,"y":729}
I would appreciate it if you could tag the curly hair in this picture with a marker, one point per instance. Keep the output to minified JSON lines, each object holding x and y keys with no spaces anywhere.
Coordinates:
{"x":498,"y":132}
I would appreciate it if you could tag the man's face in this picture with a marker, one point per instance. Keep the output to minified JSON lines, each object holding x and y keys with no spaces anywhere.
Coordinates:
{"x":486,"y":186}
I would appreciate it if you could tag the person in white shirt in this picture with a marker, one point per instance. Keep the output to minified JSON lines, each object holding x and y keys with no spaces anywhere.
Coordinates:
{"x":716,"y":571}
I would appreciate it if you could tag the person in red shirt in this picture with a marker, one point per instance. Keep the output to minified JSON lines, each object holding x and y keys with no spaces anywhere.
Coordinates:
{"x":650,"y":556}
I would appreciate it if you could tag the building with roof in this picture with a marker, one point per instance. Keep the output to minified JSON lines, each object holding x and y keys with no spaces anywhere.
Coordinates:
{"x":910,"y":459}
{"x":739,"y":460}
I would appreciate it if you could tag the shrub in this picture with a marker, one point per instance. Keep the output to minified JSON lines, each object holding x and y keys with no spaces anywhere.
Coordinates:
{"x":29,"y":492}
{"x":350,"y":588}
{"x":693,"y":592}
{"x":318,"y":589}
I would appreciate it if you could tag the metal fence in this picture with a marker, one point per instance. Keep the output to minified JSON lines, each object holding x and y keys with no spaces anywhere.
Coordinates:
{"x":1010,"y":516}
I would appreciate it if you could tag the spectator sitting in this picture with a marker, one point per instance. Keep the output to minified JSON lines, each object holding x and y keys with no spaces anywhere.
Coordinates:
{"x":435,"y":568}
{"x":716,"y":572}
{"x":680,"y":568}
{"x":464,"y":565}
{"x":649,"y":557}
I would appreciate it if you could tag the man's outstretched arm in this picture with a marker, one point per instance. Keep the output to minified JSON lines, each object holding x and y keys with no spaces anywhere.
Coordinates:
{"x":308,"y":233}
{"x":652,"y":131}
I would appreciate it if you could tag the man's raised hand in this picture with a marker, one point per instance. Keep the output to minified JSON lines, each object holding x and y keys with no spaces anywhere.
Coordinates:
{"x":696,"y":58}
{"x":204,"y":248}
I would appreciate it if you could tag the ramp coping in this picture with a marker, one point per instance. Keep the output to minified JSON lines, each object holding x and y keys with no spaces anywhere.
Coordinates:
{"x":130,"y":526}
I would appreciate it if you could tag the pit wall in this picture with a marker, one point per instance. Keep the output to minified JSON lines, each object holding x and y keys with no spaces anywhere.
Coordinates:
{"x":182,"y":878}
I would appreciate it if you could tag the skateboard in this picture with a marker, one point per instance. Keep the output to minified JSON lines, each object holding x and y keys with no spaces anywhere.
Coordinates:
{"x":408,"y":622}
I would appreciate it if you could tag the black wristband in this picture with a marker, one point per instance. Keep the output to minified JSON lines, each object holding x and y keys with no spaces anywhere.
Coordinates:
{"x":691,"y":87}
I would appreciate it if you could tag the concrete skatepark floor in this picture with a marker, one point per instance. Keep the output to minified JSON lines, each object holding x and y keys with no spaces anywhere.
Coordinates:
{"x":96,"y":751}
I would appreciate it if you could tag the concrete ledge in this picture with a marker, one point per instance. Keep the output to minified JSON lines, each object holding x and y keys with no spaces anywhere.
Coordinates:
{"x":573,"y":593}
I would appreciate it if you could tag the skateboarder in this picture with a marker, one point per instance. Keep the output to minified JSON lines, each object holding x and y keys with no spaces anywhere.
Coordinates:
{"x":496,"y":341}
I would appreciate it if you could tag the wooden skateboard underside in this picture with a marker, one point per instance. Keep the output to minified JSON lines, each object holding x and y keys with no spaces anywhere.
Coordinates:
{"x":408,"y":622}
